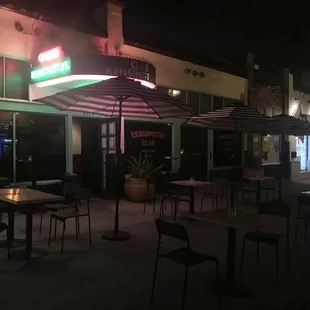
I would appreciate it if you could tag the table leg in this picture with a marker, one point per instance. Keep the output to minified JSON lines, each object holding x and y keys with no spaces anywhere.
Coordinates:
{"x":257,"y":193}
{"x":192,"y":200}
{"x":231,"y":256}
{"x":11,"y":227}
{"x":230,"y":286}
{"x":29,"y":217}
{"x":280,"y":189}
{"x":232,"y":193}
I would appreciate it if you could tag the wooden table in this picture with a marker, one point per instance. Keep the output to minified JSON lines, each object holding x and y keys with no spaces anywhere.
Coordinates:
{"x":258,"y":181}
{"x":25,"y":200}
{"x":192,"y":184}
{"x":241,"y":220}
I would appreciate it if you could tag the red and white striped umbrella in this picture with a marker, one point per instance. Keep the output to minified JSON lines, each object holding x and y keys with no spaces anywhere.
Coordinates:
{"x":291,"y":125}
{"x":118,"y":97}
{"x":110,"y":96}
{"x":236,"y":118}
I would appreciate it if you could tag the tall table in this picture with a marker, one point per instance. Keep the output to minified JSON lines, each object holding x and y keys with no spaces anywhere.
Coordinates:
{"x":192,"y":184}
{"x":232,"y":220}
{"x":258,"y":181}
{"x":26,"y":200}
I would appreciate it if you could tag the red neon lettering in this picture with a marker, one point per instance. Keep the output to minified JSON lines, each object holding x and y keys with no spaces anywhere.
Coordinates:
{"x":50,"y":55}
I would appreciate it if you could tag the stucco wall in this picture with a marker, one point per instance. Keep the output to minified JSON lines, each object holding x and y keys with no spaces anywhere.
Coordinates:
{"x":170,"y":71}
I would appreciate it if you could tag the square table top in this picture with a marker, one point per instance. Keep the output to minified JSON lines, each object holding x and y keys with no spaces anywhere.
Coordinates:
{"x":240,"y":220}
{"x":307,"y":193}
{"x":18,"y":196}
{"x":192,"y":183}
{"x":258,"y":178}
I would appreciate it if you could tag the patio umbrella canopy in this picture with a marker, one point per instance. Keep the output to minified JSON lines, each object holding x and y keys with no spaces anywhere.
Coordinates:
{"x":118,"y":97}
{"x":234,"y":118}
{"x":290,"y":125}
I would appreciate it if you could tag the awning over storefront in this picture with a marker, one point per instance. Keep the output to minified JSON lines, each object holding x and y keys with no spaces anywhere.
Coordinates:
{"x":55,"y":72}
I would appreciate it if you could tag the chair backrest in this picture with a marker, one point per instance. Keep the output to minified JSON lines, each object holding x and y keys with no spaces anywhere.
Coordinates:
{"x":275,"y":208}
{"x":221,"y":184}
{"x":176,"y":231}
{"x":70,"y":191}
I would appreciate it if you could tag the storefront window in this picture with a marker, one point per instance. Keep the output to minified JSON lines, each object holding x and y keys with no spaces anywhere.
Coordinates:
{"x":217,"y":103}
{"x":6,"y":145}
{"x":205,"y":104}
{"x":302,"y":149}
{"x":40,"y":148}
{"x":271,"y":149}
{"x":193,"y":101}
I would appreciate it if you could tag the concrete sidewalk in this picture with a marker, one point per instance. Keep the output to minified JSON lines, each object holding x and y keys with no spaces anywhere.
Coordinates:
{"x":117,"y":275}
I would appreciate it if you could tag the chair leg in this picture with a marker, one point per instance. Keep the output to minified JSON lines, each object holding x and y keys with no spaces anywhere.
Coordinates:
{"x":219,"y":301}
{"x":242,"y":254}
{"x":184,"y":288}
{"x":63,"y":236}
{"x":257,"y":253}
{"x":175,"y":211}
{"x":213,"y":204}
{"x":76,"y":229}
{"x":216,"y":203}
{"x":154,"y":280}
{"x":144,"y":208}
{"x":296,"y":232}
{"x":8,"y":244}
{"x":277,"y":264}
{"x":306,"y":228}
{"x":50,"y":231}
{"x":288,"y":254}
{"x":0,"y":217}
{"x":55,"y":230}
{"x":40,"y":229}
{"x":201,"y":203}
{"x":154,"y":203}
{"x":89,"y":230}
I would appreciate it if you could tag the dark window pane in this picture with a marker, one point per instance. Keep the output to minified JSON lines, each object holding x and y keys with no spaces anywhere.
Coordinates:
{"x":205,"y":103}
{"x":163,"y":90}
{"x":6,"y":145}
{"x":228,"y":102}
{"x":193,"y":101}
{"x":42,"y":138}
{"x":217,"y":103}
{"x":16,"y":79}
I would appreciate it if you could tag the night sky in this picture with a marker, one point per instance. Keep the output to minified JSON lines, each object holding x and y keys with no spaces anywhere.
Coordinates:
{"x":276,"y":32}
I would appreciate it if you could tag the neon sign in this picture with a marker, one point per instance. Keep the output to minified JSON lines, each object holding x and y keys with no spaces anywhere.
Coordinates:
{"x":63,"y":68}
{"x":49,"y":55}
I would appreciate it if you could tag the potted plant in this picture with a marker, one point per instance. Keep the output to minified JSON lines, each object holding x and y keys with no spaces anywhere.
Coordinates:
{"x":140,"y":183}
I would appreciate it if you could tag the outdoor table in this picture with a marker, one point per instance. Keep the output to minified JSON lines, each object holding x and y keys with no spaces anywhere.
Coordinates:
{"x":192,"y":184}
{"x":25,"y":200}
{"x":258,"y":181}
{"x":232,"y":220}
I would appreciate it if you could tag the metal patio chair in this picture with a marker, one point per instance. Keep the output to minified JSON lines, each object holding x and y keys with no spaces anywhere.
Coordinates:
{"x":184,"y":256}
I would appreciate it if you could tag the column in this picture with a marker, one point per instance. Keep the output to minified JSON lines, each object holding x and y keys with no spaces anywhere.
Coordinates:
{"x":176,"y":146}
{"x":210,"y":152}
{"x":68,"y":141}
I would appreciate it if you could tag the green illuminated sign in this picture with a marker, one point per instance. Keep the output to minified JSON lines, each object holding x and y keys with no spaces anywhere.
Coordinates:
{"x":40,"y":74}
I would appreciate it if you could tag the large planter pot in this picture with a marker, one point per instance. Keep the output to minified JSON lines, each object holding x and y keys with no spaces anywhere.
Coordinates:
{"x":137,"y":189}
{"x":253,"y":172}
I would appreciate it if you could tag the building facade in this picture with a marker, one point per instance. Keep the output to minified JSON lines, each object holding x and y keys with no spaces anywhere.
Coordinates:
{"x":60,"y":134}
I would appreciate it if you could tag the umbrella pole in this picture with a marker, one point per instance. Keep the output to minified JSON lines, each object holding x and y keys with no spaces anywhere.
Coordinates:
{"x":116,"y":234}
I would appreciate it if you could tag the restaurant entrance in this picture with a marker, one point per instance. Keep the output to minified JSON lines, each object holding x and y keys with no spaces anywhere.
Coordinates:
{"x":194,"y":152}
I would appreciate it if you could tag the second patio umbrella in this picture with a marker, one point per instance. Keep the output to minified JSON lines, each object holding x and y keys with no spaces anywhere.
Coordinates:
{"x":234,"y":118}
{"x":120,"y":97}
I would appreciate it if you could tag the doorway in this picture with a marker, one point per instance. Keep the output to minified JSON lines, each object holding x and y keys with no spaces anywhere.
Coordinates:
{"x":194,"y":152}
